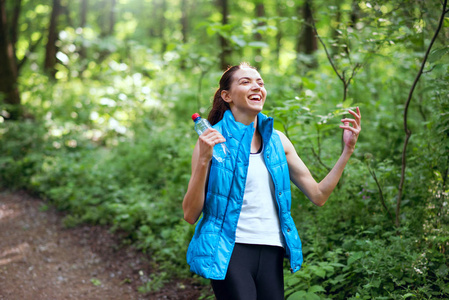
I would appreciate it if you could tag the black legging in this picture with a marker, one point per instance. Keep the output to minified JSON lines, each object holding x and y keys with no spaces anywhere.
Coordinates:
{"x":255,"y":272}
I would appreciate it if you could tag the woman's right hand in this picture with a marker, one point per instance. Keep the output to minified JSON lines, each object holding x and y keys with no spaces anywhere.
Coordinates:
{"x":202,"y":154}
{"x":207,"y":141}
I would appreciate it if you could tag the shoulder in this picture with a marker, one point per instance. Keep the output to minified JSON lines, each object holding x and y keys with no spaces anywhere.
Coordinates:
{"x":284,"y":139}
{"x":286,"y":143}
{"x":280,"y":133}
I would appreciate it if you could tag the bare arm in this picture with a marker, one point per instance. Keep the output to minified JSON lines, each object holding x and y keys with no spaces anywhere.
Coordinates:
{"x":193,"y":202}
{"x":300,"y":175}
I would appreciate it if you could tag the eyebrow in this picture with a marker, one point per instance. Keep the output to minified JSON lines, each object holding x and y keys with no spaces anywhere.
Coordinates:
{"x":259,"y":78}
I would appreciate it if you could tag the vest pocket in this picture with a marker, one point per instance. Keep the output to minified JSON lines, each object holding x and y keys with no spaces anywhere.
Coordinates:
{"x":205,"y":245}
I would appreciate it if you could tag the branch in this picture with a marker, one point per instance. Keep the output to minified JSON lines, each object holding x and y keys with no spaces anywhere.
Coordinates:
{"x":428,"y":71}
{"x":354,"y":71}
{"x":379,"y":188}
{"x":327,"y":52}
{"x":408,"y":132}
{"x":319,"y":159}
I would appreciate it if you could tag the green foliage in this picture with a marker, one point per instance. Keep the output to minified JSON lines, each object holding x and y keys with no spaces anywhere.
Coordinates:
{"x":109,"y":142}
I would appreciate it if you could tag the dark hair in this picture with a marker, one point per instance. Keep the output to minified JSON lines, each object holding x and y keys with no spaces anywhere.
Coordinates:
{"x":219,"y":106}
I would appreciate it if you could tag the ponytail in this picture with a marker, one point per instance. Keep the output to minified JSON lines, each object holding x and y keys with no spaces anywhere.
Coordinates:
{"x":219,"y":106}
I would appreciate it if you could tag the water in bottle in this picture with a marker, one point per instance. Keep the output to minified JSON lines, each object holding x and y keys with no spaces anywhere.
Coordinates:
{"x":201,"y":125}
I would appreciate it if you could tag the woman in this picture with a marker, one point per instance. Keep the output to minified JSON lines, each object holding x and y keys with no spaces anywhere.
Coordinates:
{"x":246,"y":228}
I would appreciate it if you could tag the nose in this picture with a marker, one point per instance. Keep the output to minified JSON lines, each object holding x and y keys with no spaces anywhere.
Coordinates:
{"x":255,"y":86}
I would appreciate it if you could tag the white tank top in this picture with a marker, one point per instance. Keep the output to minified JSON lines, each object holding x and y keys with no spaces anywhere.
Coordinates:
{"x":259,"y":221}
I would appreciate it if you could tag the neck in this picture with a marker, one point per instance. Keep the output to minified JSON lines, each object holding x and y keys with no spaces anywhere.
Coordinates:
{"x":245,"y":118}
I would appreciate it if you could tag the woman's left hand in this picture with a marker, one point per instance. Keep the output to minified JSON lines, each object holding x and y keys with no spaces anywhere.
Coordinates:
{"x":351,"y":133}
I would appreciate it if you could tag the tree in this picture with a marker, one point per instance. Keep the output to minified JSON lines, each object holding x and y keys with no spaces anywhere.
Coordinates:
{"x":307,"y":42}
{"x":184,"y":27}
{"x":83,"y":20}
{"x":51,"y":48}
{"x":162,"y":23}
{"x":224,"y":44}
{"x":279,"y":34}
{"x":260,"y":13}
{"x":184,"y":20}
{"x":407,"y":130}
{"x":8,"y":71}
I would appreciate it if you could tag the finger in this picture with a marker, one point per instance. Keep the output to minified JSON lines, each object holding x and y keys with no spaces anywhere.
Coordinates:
{"x":348,"y":120}
{"x":217,"y":137}
{"x":356,"y":116}
{"x":352,"y":121}
{"x":358,"y":112}
{"x":212,"y":138}
{"x":209,"y":131}
{"x":206,"y":141}
{"x":354,"y":130}
{"x":209,"y":134}
{"x":218,"y":140}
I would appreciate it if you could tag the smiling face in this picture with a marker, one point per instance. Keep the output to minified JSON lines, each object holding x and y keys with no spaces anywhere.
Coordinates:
{"x":246,"y":96}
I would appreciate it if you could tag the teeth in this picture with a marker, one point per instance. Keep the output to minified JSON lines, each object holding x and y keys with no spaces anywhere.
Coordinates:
{"x":255,"y":97}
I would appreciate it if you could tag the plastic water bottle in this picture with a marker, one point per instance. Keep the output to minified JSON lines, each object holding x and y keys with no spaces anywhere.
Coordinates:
{"x":201,"y":125}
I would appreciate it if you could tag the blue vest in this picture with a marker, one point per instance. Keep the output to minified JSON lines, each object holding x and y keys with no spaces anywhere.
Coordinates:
{"x":212,"y":244}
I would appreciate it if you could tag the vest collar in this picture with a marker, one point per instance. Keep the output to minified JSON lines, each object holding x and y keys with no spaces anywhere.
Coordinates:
{"x":236,"y":129}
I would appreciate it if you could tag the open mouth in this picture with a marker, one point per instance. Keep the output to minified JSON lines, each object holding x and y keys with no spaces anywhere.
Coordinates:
{"x":255,"y":97}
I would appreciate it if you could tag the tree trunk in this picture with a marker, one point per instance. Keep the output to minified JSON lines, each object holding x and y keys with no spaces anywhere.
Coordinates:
{"x":51,"y":49}
{"x":83,"y":13}
{"x":279,"y":33}
{"x":307,"y":42}
{"x":83,"y":21}
{"x":8,"y":72}
{"x":184,"y":20}
{"x":260,"y":13}
{"x":112,"y":18}
{"x":107,"y":17}
{"x":355,"y":14}
{"x":184,"y":29}
{"x":225,"y":49}
{"x":15,"y":24}
{"x":162,"y":24}
{"x":308,"y":37}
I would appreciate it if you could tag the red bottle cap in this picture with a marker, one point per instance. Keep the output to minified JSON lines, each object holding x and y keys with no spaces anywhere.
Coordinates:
{"x":195,"y":116}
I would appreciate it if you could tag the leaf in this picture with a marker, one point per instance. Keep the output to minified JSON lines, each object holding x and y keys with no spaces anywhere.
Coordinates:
{"x":436,"y":54}
{"x":319,"y":272}
{"x":95,"y":281}
{"x":312,"y":296}
{"x":239,"y":41}
{"x":297,"y":295}
{"x":409,"y":295}
{"x":442,"y":271}
{"x":316,"y":288}
{"x":302,"y":295}
{"x":338,"y":265}
{"x":258,"y":44}
{"x":293,"y":281}
{"x":354,"y":257}
{"x":347,"y":103}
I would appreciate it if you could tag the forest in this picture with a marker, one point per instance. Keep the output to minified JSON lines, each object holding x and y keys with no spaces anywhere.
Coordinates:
{"x":95,"y":105}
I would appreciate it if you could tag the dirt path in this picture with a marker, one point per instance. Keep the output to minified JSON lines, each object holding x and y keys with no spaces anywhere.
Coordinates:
{"x":40,"y":259}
